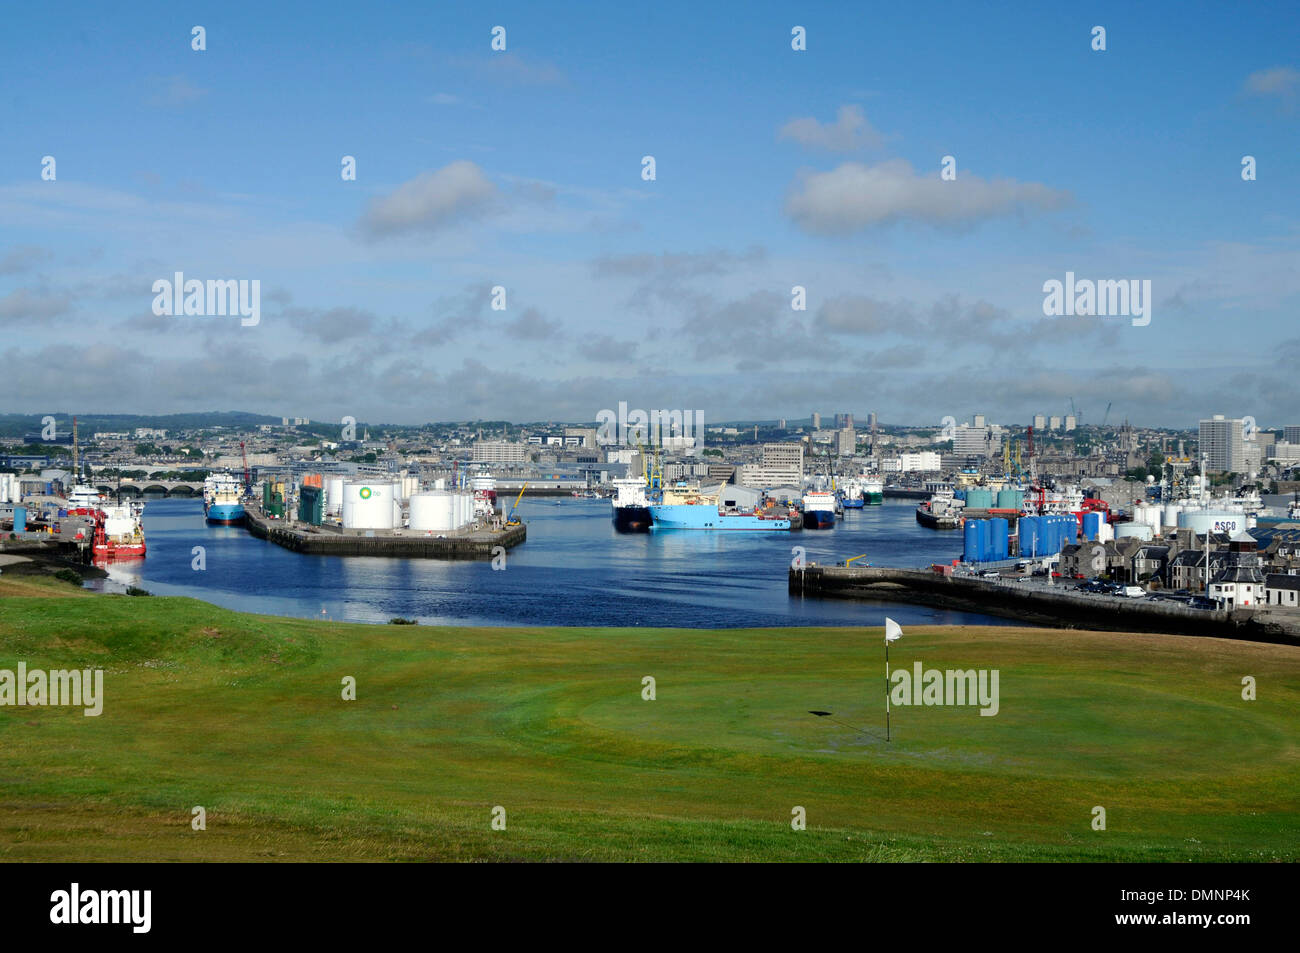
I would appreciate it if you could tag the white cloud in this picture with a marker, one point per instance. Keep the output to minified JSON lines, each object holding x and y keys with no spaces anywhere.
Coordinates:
{"x":855,"y":196}
{"x":849,"y":132}
{"x":431,"y":201}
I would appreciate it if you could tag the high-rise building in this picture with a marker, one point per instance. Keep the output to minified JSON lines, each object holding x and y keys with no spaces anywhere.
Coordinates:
{"x":1040,"y":422}
{"x":843,"y":420}
{"x":1223,"y":444}
{"x":979,"y":421}
{"x":871,"y":421}
{"x":847,"y":441}
{"x":1053,"y":423}
{"x":970,"y":441}
{"x":816,"y":421}
{"x":1291,"y":434}
{"x":1070,"y":422}
{"x":782,"y":466}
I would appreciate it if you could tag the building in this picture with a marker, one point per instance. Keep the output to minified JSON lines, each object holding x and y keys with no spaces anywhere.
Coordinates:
{"x":926,"y":461}
{"x":1282,"y":590}
{"x":847,"y":441}
{"x":979,"y":421}
{"x":1223,"y":444}
{"x":1286,"y":453}
{"x":1053,"y":423}
{"x":782,"y":465}
{"x":1291,"y":434}
{"x":843,"y":421}
{"x":1040,"y":422}
{"x":1071,"y":422}
{"x":499,"y":451}
{"x":816,"y":421}
{"x":971,"y":441}
{"x":580,"y":437}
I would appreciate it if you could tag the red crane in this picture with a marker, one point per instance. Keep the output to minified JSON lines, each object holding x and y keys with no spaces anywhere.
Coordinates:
{"x":248,"y":477}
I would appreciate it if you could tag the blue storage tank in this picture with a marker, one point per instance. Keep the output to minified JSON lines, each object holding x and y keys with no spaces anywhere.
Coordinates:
{"x":1000,"y":530}
{"x":986,"y":540}
{"x":1091,"y":525}
{"x":20,"y":519}
{"x":1029,"y":536}
{"x":971,"y":542}
{"x":1051,"y":535}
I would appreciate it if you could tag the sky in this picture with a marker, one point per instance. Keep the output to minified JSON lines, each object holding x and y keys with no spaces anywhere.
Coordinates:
{"x":774,"y":168}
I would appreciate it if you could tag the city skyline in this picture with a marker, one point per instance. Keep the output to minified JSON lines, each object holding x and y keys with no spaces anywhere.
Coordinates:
{"x":776,"y":168}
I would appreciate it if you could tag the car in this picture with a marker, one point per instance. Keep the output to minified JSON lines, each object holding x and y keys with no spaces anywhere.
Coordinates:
{"x":1132,"y":592}
{"x":991,"y":574}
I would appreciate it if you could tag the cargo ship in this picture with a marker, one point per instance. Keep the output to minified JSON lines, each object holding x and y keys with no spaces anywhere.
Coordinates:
{"x":818,"y":509}
{"x":708,"y":516}
{"x":941,"y":511}
{"x":873,"y":491}
{"x":851,"y":497}
{"x":222,"y":500}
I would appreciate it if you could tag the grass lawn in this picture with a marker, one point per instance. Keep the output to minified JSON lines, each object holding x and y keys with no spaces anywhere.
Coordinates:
{"x":243,"y":715}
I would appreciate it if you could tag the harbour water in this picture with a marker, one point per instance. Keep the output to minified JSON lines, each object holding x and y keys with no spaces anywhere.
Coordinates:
{"x":575,"y":569}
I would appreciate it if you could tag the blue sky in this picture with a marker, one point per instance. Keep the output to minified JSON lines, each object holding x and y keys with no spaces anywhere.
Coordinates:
{"x":775,"y":168}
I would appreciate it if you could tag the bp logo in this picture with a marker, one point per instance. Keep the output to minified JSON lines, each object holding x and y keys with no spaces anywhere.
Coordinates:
{"x":365,"y":493}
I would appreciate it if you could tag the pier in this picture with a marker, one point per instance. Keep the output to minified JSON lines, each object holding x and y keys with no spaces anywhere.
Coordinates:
{"x":400,"y":544}
{"x":1057,"y":606}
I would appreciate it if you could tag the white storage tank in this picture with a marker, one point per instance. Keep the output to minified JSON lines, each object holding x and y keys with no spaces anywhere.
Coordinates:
{"x":410,"y":486}
{"x":1106,"y":532}
{"x":1131,"y":530}
{"x":1171,"y":515}
{"x":1212,"y":521}
{"x":334,"y":495}
{"x":368,"y":505}
{"x":432,"y":512}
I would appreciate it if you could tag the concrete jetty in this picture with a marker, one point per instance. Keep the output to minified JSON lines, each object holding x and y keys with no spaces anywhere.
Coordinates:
{"x":401,"y":544}
{"x":1058,"y":606}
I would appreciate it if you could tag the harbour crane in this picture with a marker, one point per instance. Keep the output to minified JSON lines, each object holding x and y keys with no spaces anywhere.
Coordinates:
{"x":511,"y":520}
{"x":248,"y":476}
{"x":1108,"y":407}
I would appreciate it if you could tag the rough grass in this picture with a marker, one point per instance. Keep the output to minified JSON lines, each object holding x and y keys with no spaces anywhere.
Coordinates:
{"x":242,"y":715}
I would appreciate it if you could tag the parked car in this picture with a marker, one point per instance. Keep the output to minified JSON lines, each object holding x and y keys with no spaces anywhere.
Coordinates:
{"x":1133,"y":592}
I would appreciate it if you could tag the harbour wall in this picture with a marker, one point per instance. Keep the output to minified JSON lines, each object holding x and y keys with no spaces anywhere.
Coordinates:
{"x":329,"y":541}
{"x":1057,"y":608}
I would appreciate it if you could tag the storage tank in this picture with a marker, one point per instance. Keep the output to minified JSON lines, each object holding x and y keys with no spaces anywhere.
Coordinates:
{"x":433,"y":512}
{"x":1091,"y":525}
{"x":410,"y":486}
{"x":1171,"y":515}
{"x":466,"y":509}
{"x":1131,"y":530}
{"x":1106,"y":532}
{"x":1212,"y":521}
{"x":20,"y":519}
{"x":368,"y":505}
{"x":970,"y":552}
{"x":1029,"y":530}
{"x":334,"y":495}
{"x":1010,"y":499}
{"x":978,"y":499}
{"x":999,"y":529}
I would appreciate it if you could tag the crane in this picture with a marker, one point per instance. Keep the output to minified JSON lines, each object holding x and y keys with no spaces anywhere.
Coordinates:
{"x":510,"y":520}
{"x":248,"y":477}
{"x":1108,"y":407}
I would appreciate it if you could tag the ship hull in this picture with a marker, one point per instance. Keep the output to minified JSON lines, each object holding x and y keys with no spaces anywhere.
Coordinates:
{"x":703,"y":517}
{"x":935,"y":521}
{"x":632,"y":519}
{"x":873,"y":499}
{"x":225,"y":514}
{"x":854,"y":504}
{"x":818,"y":519}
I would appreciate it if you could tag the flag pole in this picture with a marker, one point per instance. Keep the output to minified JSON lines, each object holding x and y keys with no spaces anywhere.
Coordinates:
{"x":886,"y":689}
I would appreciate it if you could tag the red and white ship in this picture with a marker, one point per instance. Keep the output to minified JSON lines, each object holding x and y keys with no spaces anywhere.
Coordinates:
{"x":118,"y":532}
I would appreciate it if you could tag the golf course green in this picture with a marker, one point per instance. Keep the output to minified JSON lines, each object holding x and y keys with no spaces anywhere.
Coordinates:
{"x":244,"y":716}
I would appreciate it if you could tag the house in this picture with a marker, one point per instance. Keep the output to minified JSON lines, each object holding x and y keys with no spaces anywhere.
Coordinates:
{"x":1282,"y":590}
{"x":1241,"y":581}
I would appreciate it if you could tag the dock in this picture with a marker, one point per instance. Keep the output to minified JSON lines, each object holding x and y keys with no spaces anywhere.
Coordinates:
{"x":1058,"y":606}
{"x":399,"y":544}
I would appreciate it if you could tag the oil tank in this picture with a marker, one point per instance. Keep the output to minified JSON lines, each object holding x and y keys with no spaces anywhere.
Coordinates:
{"x":1029,"y":542}
{"x":433,"y":512}
{"x":971,"y":542}
{"x":368,"y":505}
{"x":1132,"y":530}
{"x":1212,"y":521}
{"x":1010,"y":499}
{"x":978,"y":499}
{"x":334,"y":496}
{"x":999,"y":530}
{"x":1091,"y":525}
{"x":1171,"y":515}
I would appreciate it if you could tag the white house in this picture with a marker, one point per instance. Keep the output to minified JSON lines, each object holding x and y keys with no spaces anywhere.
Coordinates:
{"x":1282,"y":590}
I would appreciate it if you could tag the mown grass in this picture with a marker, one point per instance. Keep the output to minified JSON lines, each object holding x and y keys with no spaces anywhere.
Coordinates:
{"x":243,"y":715}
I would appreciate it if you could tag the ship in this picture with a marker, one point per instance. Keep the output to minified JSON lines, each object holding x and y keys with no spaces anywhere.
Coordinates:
{"x":941,"y":511}
{"x":668,"y":516}
{"x":485,"y":494}
{"x":818,"y":509}
{"x":119,"y":533}
{"x":873,"y":491}
{"x":222,"y":500}
{"x":851,"y":496}
{"x":631,"y":506}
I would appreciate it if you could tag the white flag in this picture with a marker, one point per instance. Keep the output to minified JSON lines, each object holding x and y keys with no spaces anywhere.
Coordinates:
{"x":893,"y":631}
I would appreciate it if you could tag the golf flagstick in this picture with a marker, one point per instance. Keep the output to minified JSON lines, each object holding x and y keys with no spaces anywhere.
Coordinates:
{"x":892,"y":631}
